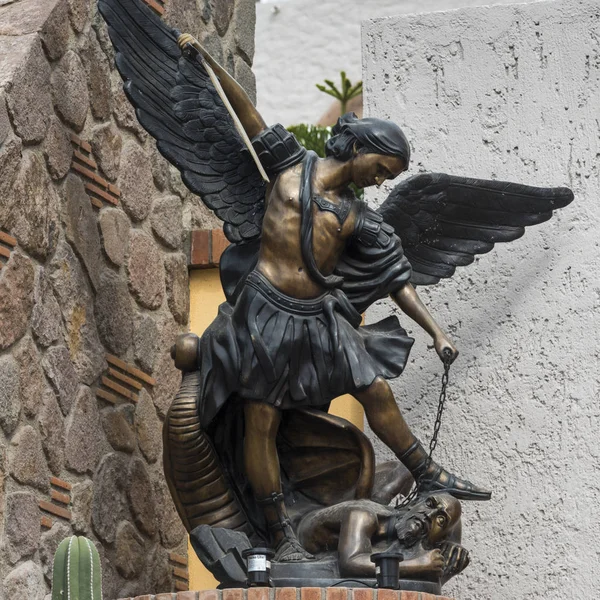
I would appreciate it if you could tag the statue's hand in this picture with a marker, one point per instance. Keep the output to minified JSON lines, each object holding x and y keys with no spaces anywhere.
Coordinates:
{"x":445,"y":348}
{"x":188,"y":38}
{"x":435,"y":561}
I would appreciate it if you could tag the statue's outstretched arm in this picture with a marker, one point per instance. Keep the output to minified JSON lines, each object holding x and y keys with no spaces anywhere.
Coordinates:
{"x":250,"y":118}
{"x":410,"y":303}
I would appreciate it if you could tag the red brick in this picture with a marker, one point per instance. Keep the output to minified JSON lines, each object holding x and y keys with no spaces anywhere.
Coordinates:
{"x":85,"y":159}
{"x":200,"y":248}
{"x":210,"y":595}
{"x":117,"y":362}
{"x":155,"y":6}
{"x":138,"y":386}
{"x":113,"y":189}
{"x":362,"y":594}
{"x":89,"y":174}
{"x":62,"y":498}
{"x":388,"y":595}
{"x":65,"y":485}
{"x":109,"y":383}
{"x":410,"y":595}
{"x":7,"y":239}
{"x":187,"y":595}
{"x":233,"y":594}
{"x":55,"y":510}
{"x":311,"y":593}
{"x":46,"y":522}
{"x":95,"y":202}
{"x":181,"y":573}
{"x":4,"y":251}
{"x":100,"y":393}
{"x":178,"y":558}
{"x":336,"y":593}
{"x":146,"y":597}
{"x":163,"y":597}
{"x":286,"y":593}
{"x":258,"y":593}
{"x":94,"y":189}
{"x":219,"y":243}
{"x":182,"y":586}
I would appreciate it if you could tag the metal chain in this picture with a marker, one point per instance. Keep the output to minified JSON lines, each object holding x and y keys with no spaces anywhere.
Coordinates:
{"x":436,"y":430}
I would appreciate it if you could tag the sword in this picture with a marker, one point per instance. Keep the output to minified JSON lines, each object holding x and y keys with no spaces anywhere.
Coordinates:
{"x":236,"y":121}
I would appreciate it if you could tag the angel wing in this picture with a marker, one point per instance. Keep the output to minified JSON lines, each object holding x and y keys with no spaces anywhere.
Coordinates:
{"x":177,"y":104}
{"x":443,"y":220}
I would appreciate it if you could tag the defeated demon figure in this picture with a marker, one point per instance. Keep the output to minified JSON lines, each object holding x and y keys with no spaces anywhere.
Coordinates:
{"x":307,"y":258}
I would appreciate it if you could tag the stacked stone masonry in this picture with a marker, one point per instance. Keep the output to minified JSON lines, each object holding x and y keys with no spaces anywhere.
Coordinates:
{"x":93,"y":291}
{"x":291,"y":593}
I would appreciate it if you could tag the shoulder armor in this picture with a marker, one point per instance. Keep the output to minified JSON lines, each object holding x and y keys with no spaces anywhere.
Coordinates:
{"x":278,"y":149}
{"x":371,"y":229}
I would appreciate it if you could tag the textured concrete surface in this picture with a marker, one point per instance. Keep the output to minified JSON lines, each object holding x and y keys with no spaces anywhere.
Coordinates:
{"x":510,"y":92}
{"x":302,"y":42}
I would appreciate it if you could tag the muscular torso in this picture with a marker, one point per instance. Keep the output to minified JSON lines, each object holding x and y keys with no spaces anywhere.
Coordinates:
{"x":280,"y":258}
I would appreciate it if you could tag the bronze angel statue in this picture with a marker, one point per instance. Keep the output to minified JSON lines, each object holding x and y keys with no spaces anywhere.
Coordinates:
{"x":249,"y":445}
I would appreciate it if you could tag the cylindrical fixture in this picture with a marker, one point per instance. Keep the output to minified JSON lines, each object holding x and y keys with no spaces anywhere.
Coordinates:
{"x":387,"y":569}
{"x":259,"y":566}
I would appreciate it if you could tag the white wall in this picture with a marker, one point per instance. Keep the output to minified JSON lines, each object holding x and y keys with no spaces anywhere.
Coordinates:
{"x":301,"y":42}
{"x":511,"y":92}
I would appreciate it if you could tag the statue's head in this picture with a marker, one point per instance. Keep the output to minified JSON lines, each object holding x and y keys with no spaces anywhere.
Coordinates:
{"x":377,"y":148}
{"x":429,"y":519}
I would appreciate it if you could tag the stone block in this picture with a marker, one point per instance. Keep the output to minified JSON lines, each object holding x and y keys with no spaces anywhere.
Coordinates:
{"x":31,"y":377}
{"x":118,"y":427}
{"x":148,"y":428}
{"x":107,"y":145}
{"x":146,"y":341}
{"x":168,"y":379}
{"x":5,"y":126}
{"x":222,"y":11}
{"x":26,"y":582}
{"x":141,"y":498}
{"x":27,"y":463}
{"x":29,"y":99}
{"x":69,"y":90}
{"x":16,"y":298}
{"x":81,"y":507}
{"x":167,"y":220}
{"x":75,"y":301}
{"x":61,"y":373}
{"x":135,"y":181}
{"x":85,"y":441}
{"x":97,"y":69}
{"x":45,"y":318}
{"x":244,"y":23}
{"x":22,"y":525}
{"x":58,"y":150}
{"x":34,"y":211}
{"x":114,"y":227}
{"x":10,"y":394}
{"x":178,"y":287}
{"x":52,"y":431}
{"x":172,"y":531}
{"x":146,"y":271}
{"x":114,"y":313}
{"x":55,"y":31}
{"x":131,"y":553}
{"x":245,"y":77}
{"x":123,"y":111}
{"x":110,"y":505}
{"x":79,"y":13}
{"x":49,"y":542}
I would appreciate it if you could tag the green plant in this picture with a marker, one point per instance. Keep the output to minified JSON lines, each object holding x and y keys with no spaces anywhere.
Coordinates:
{"x":347,"y":92}
{"x":312,"y":137}
{"x":76,"y":573}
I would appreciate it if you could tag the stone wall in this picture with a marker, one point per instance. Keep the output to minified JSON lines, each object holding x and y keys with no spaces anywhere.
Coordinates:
{"x":302,"y":42}
{"x":93,"y":291}
{"x":510,"y":92}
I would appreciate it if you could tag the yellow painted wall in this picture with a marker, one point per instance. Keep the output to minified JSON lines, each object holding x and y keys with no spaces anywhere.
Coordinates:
{"x":205,"y":296}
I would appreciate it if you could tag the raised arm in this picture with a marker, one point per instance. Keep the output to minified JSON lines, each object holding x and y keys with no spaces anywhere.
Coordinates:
{"x":410,"y":303}
{"x":250,"y":118}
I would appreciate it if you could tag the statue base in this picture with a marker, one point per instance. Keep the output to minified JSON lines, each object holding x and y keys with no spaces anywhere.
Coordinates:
{"x":296,"y":593}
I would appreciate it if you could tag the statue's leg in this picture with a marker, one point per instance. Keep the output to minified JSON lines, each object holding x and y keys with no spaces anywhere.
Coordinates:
{"x":389,"y":426}
{"x":262,"y":468}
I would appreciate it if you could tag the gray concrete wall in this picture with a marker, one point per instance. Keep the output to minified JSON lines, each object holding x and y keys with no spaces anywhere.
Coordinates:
{"x":301,"y":42}
{"x":510,"y":92}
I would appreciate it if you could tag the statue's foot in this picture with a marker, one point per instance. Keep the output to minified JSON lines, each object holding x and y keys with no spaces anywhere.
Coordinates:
{"x":437,"y":479}
{"x":290,"y":550}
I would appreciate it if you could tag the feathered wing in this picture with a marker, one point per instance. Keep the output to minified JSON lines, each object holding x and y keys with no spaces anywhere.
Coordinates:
{"x":445,"y":220}
{"x":177,"y":104}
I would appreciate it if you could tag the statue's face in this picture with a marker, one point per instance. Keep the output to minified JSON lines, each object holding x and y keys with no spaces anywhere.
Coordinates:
{"x":374,"y":169}
{"x":443,"y":515}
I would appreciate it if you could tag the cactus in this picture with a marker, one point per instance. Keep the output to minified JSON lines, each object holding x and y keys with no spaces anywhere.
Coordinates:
{"x":76,"y":573}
